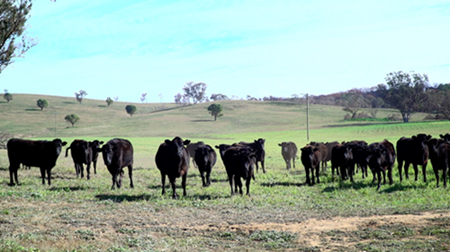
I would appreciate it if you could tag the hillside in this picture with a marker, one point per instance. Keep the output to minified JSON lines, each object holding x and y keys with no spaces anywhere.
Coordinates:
{"x":23,"y":118}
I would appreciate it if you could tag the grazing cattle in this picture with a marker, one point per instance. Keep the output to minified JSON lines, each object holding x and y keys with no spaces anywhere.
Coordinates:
{"x":381,"y":159}
{"x":81,"y":152}
{"x":288,"y":151}
{"x":172,"y":159}
{"x":95,"y":147}
{"x":329,"y":146}
{"x":438,"y":158}
{"x":191,"y":147}
{"x":311,"y":158}
{"x":413,"y":151}
{"x":258,"y":146}
{"x":341,"y":161}
{"x":42,"y":154}
{"x":239,"y":163}
{"x":323,"y":153}
{"x":443,"y":162}
{"x":223,"y":147}
{"x":205,"y":158}
{"x":117,"y":154}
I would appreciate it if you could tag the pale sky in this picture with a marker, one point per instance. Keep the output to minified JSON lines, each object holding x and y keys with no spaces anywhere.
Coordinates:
{"x":258,"y":48}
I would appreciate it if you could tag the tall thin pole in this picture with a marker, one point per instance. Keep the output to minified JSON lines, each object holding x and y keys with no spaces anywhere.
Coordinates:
{"x":307,"y":117}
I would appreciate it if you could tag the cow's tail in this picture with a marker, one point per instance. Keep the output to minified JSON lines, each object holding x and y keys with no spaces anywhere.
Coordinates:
{"x":67,"y":151}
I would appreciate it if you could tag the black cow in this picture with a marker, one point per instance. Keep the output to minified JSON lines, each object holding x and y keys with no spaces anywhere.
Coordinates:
{"x":117,"y":154}
{"x":239,"y":163}
{"x":381,"y":159}
{"x":42,"y":154}
{"x":81,"y":152}
{"x":311,"y":158}
{"x":438,"y":158}
{"x":95,"y":147}
{"x":288,"y":151}
{"x":413,"y":151}
{"x":341,"y":160}
{"x":205,"y":158}
{"x":258,"y":146}
{"x":172,"y":159}
{"x":360,"y":156}
{"x":191,"y":147}
{"x":443,"y":162}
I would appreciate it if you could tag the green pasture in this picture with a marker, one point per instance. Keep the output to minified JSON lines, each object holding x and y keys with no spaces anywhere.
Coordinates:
{"x":80,"y":215}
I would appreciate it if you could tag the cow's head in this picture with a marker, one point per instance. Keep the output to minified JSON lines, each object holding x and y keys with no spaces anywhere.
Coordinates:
{"x":58,"y":144}
{"x":446,"y":137}
{"x":95,"y":145}
{"x":108,"y":153}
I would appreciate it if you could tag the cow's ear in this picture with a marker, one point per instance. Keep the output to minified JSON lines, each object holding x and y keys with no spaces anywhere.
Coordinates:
{"x":64,"y":143}
{"x":217,"y":147}
{"x":280,"y":145}
{"x":442,"y":136}
{"x":429,"y":137}
{"x":186,"y":142}
{"x":101,"y":142}
{"x":167,"y":141}
{"x":414,"y":137}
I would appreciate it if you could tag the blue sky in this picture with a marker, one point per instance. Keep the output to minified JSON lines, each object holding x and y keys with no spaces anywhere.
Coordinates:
{"x":258,"y":48}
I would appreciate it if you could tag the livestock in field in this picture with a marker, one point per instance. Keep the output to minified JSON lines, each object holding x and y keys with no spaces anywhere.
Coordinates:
{"x":289,"y":152}
{"x":311,"y":158}
{"x":323,"y":153}
{"x":381,"y":159}
{"x":239,"y":163}
{"x":42,"y":154}
{"x":341,"y":161}
{"x":81,"y":152}
{"x":258,"y":146}
{"x":118,"y":153}
{"x":438,"y":158}
{"x":413,"y":151}
{"x":205,"y":158}
{"x":95,"y":147}
{"x":191,"y":147}
{"x":329,"y":146}
{"x":172,"y":159}
{"x":360,"y":156}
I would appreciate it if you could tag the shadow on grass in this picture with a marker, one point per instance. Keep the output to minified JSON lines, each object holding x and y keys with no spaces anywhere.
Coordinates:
{"x":345,"y":186}
{"x":121,"y":198}
{"x":66,"y":102}
{"x":385,"y":188}
{"x":32,"y":109}
{"x":102,"y":106}
{"x":282,"y":184}
{"x":202,"y":120}
{"x":399,"y":187}
{"x":3,"y":169}
{"x":68,"y":189}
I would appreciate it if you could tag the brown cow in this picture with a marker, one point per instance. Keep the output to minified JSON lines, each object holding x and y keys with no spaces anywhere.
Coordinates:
{"x":323,"y":153}
{"x":172,"y":159}
{"x":191,"y":147}
{"x":117,"y":154}
{"x":381,"y":158}
{"x":42,"y":154}
{"x":288,"y":151}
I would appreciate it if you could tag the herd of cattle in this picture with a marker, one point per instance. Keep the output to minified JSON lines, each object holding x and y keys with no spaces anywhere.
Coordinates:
{"x":173,"y":158}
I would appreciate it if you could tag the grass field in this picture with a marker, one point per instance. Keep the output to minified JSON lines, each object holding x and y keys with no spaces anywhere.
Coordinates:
{"x":282,"y":213}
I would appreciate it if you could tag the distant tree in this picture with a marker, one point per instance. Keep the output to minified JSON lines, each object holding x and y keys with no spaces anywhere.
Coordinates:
{"x":439,"y":102}
{"x":80,"y":95}
{"x":215,"y":110}
{"x":181,"y":100}
{"x":13,"y":41}
{"x":42,"y":103}
{"x":196,"y":91}
{"x":7,"y":96}
{"x":160,"y":95}
{"x":72,"y":118}
{"x":4,"y":137}
{"x":218,"y":97}
{"x":131,"y":109}
{"x":251,"y":98}
{"x":406,"y":92}
{"x":109,"y":101}
{"x":116,"y":98}
{"x":353,"y":102}
{"x":143,"y":97}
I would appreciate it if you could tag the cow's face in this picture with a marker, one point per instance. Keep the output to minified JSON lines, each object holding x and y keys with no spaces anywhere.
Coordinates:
{"x":95,"y":145}
{"x":58,"y":145}
{"x":108,"y":153}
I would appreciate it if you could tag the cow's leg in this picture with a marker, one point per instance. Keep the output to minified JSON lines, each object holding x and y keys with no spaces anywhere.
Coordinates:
{"x":49,"y":176}
{"x":183,"y":183}
{"x":343,"y":172}
{"x":391,"y":181}
{"x":257,"y":167}
{"x":317,"y":173}
{"x":293,"y":162}
{"x":424,"y":171}
{"x":81,"y":170}
{"x":288,"y":163}
{"x":416,"y":171}
{"x":120,"y":178}
{"x":203,"y":178}
{"x":13,"y":174}
{"x":400,"y":164}
{"x":230,"y":180}
{"x":313,"y":179}
{"x":444,"y":175}
{"x":262,"y":166}
{"x":163,"y":182}
{"x":436,"y":174}
{"x":172,"y":184}
{"x":247,"y":184}
{"x":95,"y":166}
{"x":238,"y":182}
{"x":384,"y":177}
{"x":379,"y":179}
{"x":406,"y":168}
{"x":42,"y":174}
{"x":88,"y":171}
{"x":351,"y":172}
{"x":114,"y":179}
{"x":307,"y":176}
{"x":130,"y":174}
{"x":208,"y":177}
